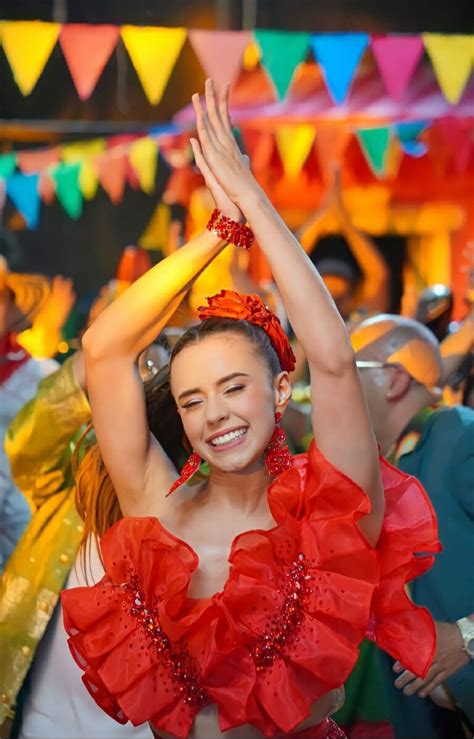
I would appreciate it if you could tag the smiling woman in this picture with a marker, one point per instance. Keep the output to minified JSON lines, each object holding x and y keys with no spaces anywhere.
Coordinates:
{"x":238,"y":604}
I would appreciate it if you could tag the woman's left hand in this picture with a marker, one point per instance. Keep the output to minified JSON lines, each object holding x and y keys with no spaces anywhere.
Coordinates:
{"x":217,"y":148}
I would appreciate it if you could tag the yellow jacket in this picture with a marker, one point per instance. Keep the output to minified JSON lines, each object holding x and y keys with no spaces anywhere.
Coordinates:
{"x":39,"y":443}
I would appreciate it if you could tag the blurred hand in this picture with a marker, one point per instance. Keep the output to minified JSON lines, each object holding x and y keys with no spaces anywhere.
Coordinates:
{"x":449,"y":658}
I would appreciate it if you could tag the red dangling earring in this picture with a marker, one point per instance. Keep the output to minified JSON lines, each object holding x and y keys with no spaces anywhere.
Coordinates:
{"x":189,"y":469}
{"x":278,"y":457}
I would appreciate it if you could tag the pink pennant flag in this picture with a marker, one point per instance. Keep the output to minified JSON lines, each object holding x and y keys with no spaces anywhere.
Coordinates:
{"x":46,"y":188}
{"x":397,"y":57}
{"x":220,"y":53}
{"x":87,"y":49}
{"x":112,"y":169}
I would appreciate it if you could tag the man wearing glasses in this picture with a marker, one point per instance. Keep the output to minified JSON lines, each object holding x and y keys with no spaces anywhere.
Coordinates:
{"x":400,"y":368}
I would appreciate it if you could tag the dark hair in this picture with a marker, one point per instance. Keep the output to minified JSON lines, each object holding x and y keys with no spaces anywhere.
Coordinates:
{"x":96,"y":499}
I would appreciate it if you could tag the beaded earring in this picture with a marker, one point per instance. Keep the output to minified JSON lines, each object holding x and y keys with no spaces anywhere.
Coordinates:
{"x":278,"y":457}
{"x":189,"y":469}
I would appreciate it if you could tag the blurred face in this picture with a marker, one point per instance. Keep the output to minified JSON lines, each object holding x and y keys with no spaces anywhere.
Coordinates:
{"x":341,"y":293}
{"x":376,"y":383}
{"x":226,"y":400}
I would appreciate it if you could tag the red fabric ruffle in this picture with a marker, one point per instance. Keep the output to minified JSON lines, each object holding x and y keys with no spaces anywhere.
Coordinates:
{"x":302,"y":595}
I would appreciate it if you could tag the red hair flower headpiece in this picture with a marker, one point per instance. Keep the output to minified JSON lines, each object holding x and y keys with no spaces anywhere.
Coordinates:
{"x":230,"y":304}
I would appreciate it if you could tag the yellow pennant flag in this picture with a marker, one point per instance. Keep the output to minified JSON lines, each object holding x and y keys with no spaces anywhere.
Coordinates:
{"x":27,"y":46}
{"x":153,"y":52}
{"x":85,"y":152}
{"x":156,"y":234}
{"x":452,"y":58}
{"x":294,"y":144}
{"x":143,"y":158}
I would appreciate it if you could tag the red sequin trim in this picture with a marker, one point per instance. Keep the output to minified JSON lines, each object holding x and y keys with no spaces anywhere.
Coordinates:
{"x":178,"y":661}
{"x":230,"y":231}
{"x":286,"y":623}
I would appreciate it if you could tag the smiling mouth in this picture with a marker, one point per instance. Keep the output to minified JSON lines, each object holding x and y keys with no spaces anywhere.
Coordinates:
{"x":229,"y":439}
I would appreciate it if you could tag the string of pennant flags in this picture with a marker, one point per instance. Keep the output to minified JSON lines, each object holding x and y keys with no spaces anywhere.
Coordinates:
{"x":154,"y":52}
{"x":73,"y":171}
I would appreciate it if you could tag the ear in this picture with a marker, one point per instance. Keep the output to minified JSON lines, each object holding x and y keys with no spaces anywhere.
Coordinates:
{"x":399,"y":384}
{"x":282,"y":387}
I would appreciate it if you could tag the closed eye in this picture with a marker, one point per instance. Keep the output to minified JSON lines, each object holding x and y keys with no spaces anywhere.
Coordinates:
{"x":234,"y":389}
{"x":192,"y":403}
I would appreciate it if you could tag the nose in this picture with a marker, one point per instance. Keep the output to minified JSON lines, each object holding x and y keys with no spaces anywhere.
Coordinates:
{"x":215,"y":410}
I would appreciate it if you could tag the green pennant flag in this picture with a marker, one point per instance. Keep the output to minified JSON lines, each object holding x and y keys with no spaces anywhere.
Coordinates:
{"x":7,"y":164}
{"x":375,"y":143}
{"x":281,"y":52}
{"x":68,"y":192}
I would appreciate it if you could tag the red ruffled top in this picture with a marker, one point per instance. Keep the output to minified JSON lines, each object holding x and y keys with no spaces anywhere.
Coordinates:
{"x":286,"y":627}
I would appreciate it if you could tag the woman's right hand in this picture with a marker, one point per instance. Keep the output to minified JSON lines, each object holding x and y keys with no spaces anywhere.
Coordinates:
{"x":220,"y":197}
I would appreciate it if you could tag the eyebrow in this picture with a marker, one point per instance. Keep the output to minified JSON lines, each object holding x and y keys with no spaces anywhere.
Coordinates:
{"x":194,"y":390}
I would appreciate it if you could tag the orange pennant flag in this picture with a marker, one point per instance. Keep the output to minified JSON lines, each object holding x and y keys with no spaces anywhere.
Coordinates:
{"x":153,"y":51}
{"x":37,"y":161}
{"x":220,"y":53}
{"x":28,"y":46}
{"x":87,"y":49}
{"x":112,"y":168}
{"x":46,"y":188}
{"x":452,"y":58}
{"x":331,"y":143}
{"x":294,"y":144}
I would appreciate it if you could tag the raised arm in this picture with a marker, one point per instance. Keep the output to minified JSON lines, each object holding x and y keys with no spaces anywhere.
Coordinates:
{"x":140,"y":470}
{"x":340,"y":418}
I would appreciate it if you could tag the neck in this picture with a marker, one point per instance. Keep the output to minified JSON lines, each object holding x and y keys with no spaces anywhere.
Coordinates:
{"x":400,"y":418}
{"x":243,"y":491}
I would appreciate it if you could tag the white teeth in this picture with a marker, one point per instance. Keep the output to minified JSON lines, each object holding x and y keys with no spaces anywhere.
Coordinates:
{"x":226,"y":438}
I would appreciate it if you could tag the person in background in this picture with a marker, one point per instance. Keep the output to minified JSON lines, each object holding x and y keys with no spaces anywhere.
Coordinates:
{"x":401,"y":367}
{"x":25,"y":302}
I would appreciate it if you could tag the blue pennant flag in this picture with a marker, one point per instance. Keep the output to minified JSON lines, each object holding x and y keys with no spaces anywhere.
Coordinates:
{"x":408,"y":132}
{"x":23,"y":191}
{"x":339,"y":55}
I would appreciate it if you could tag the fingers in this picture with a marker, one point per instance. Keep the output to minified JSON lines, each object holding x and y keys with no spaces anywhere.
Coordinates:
{"x":430,"y":685}
{"x":202,"y":123}
{"x":404,"y":679}
{"x":224,"y":110}
{"x":200,"y":160}
{"x":213,"y":113}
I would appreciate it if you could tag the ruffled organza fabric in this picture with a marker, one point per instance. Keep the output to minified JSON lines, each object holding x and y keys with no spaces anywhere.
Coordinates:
{"x":286,"y":627}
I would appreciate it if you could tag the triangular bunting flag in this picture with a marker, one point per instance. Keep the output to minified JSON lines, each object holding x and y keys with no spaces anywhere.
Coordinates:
{"x":85,"y":153}
{"x":156,"y":234}
{"x":66,"y":177}
{"x":3,"y":192}
{"x":23,"y":191}
{"x":46,"y":188}
{"x":294,"y":144}
{"x":7,"y":164}
{"x":375,"y":144}
{"x":281,"y":52}
{"x":408,"y":132}
{"x":331,"y":143}
{"x":260,"y":146}
{"x":37,"y":161}
{"x":452,"y":58}
{"x":28,"y":45}
{"x":112,"y":168}
{"x":220,"y":53}
{"x":87,"y":49}
{"x":143,"y":157}
{"x":339,"y":55}
{"x":397,"y":58}
{"x":153,"y":52}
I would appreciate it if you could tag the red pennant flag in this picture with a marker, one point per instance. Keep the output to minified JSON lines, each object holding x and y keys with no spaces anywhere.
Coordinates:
{"x":112,"y":168}
{"x":46,"y":188}
{"x":37,"y":161}
{"x":331,"y":142}
{"x":220,"y":53}
{"x":397,"y":58}
{"x":87,"y":49}
{"x":260,"y":146}
{"x":125,"y":140}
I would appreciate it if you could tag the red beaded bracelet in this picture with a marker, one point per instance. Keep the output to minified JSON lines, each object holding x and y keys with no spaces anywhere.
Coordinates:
{"x":230,"y":231}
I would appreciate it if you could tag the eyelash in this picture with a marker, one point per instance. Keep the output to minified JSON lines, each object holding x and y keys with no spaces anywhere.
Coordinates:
{"x":233,"y":389}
